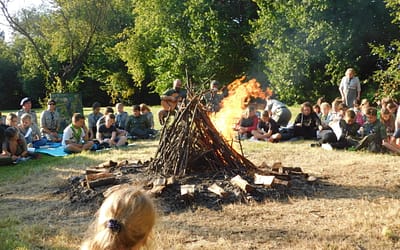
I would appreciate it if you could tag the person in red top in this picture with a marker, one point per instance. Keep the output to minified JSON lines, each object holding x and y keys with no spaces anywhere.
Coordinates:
{"x":247,"y":123}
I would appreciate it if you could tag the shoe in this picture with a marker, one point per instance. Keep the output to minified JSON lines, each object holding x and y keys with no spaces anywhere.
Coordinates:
{"x":326,"y":146}
{"x":313,"y":145}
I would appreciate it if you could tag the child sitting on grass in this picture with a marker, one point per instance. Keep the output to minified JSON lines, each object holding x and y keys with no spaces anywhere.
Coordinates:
{"x":267,"y":129}
{"x":31,"y":132}
{"x":15,"y":146}
{"x":124,"y":221}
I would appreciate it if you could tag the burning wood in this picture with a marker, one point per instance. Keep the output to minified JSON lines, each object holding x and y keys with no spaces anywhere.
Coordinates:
{"x":192,"y":143}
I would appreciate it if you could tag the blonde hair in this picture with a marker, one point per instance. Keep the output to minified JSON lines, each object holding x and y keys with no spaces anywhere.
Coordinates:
{"x":124,"y":220}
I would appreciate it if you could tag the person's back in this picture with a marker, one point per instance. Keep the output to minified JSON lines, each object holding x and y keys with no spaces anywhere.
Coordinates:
{"x":124,"y":221}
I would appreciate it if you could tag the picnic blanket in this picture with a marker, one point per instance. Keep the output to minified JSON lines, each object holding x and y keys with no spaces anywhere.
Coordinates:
{"x":53,"y":149}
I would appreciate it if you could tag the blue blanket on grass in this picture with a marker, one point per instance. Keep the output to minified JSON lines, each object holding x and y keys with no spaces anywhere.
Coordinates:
{"x":52,"y":148}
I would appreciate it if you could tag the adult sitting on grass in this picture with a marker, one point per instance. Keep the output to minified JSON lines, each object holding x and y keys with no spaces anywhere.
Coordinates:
{"x":124,"y":221}
{"x":107,"y":133}
{"x":306,"y":123}
{"x":50,"y":122}
{"x":26,"y":107}
{"x":75,"y":138}
{"x":138,"y":126}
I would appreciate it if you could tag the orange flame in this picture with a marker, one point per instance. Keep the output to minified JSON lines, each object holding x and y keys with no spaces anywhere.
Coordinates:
{"x":240,"y":95}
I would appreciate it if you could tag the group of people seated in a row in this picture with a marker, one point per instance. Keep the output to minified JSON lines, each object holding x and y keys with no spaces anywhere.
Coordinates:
{"x":20,"y":131}
{"x":335,"y":125}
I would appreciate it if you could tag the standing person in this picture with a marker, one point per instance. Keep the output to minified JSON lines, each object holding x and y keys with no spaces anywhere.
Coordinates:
{"x":124,"y":221}
{"x":75,"y":137}
{"x":350,"y":88}
{"x":93,"y":118}
{"x":107,"y":133}
{"x":26,"y":105}
{"x":278,"y":111}
{"x":171,"y":100}
{"x":50,"y":122}
{"x":121,"y":117}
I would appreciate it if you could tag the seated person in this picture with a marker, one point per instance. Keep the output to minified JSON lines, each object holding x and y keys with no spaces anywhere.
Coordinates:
{"x":93,"y":118}
{"x":15,"y":145}
{"x":212,"y":99}
{"x":31,"y":132}
{"x":138,"y":125}
{"x":75,"y":138}
{"x":146,"y":111}
{"x":306,"y":123}
{"x":247,"y":123}
{"x":278,"y":111}
{"x":5,"y":157}
{"x":121,"y":117}
{"x":373,"y":133}
{"x":267,"y":129}
{"x":347,"y":131}
{"x":26,"y":105}
{"x":50,"y":122}
{"x":107,"y":133}
{"x":171,"y":100}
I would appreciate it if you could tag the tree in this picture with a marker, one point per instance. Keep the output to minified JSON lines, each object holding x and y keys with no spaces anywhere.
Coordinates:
{"x":307,"y":45}
{"x":201,"y":37}
{"x":387,"y":76}
{"x":60,"y":39}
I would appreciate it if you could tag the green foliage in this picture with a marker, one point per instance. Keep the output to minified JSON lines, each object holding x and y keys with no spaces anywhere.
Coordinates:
{"x":387,"y":77}
{"x":306,"y":46}
{"x":197,"y":37}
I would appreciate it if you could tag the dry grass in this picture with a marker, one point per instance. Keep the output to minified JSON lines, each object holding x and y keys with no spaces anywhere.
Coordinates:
{"x":358,"y":197}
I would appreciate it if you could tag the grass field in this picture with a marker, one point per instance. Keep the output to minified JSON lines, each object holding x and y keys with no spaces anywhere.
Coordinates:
{"x":357,"y":205}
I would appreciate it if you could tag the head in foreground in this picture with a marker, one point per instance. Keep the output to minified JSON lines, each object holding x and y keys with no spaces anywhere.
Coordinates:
{"x":124,"y":222}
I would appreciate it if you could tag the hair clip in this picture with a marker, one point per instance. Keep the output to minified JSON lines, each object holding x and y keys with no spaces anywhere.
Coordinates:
{"x":114,"y":225}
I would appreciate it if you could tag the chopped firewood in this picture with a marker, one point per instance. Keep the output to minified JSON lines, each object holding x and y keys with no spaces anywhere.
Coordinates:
{"x":263,"y":180}
{"x":276,"y":165}
{"x":159,"y":182}
{"x":107,"y":164}
{"x":311,"y":178}
{"x":92,"y":177}
{"x":96,"y":170}
{"x":171,"y":180}
{"x":217,"y":190}
{"x":100,"y":179}
{"x":241,"y":183}
{"x":122,"y":163}
{"x":187,"y":190}
{"x":281,"y":182}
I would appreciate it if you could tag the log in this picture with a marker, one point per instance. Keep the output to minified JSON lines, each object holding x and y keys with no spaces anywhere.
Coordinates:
{"x":107,"y":164}
{"x":279,"y":182}
{"x":214,"y":188}
{"x":96,"y":170}
{"x":122,"y":163}
{"x":100,"y":179}
{"x":171,"y":180}
{"x":242,"y":184}
{"x":159,"y":182}
{"x":187,"y":190}
{"x":266,"y":180}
